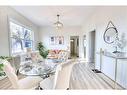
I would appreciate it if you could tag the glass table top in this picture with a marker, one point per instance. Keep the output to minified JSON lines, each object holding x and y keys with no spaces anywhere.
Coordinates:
{"x":38,"y":69}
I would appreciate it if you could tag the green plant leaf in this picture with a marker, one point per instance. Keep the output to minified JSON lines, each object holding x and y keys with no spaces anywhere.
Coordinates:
{"x":42,"y":50}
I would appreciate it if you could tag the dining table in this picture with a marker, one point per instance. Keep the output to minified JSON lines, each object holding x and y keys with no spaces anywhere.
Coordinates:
{"x":43,"y":69}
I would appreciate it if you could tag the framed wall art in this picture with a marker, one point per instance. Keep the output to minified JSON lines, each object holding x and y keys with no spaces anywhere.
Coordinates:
{"x":56,"y":40}
{"x":52,"y":40}
{"x":60,"y":40}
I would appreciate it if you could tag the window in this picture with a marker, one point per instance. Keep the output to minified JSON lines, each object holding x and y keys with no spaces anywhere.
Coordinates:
{"x":21,"y":38}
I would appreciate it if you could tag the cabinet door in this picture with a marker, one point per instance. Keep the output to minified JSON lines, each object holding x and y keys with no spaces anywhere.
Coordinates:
{"x":122,"y":72}
{"x":97,"y":61}
{"x":108,"y":67}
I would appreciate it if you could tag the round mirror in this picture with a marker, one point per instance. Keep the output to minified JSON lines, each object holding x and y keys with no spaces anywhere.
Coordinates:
{"x":110,"y":35}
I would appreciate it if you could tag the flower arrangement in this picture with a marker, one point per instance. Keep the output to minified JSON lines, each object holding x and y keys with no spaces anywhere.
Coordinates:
{"x":120,"y":43}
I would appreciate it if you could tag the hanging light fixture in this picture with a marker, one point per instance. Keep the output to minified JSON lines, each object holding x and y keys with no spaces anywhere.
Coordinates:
{"x":58,"y":24}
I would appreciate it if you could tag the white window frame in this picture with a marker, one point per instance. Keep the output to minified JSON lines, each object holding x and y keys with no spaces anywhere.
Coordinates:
{"x":10,"y":41}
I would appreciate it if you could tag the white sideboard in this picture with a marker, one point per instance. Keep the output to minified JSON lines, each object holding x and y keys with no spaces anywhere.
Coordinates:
{"x":115,"y":67}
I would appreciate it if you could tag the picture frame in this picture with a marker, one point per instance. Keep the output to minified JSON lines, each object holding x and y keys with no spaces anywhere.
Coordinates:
{"x":60,"y":40}
{"x":56,"y":40}
{"x":52,"y":40}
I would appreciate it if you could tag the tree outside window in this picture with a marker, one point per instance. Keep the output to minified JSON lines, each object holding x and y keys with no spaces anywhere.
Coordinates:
{"x":21,"y":38}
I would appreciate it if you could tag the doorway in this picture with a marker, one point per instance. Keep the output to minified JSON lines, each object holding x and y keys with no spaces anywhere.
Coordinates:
{"x":74,"y":46}
{"x":84,"y":45}
{"x":92,"y":46}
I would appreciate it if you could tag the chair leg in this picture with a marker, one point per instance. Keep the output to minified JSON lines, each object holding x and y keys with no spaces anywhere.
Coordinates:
{"x":39,"y":88}
{"x":67,"y":89}
{"x":17,"y":72}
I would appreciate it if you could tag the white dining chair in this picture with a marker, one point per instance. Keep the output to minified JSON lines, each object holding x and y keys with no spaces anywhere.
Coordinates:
{"x":61,"y":78}
{"x":15,"y":63}
{"x":26,"y":83}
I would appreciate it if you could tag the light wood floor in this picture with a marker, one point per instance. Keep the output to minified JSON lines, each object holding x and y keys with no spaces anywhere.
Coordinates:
{"x":6,"y":84}
{"x":82,"y":77}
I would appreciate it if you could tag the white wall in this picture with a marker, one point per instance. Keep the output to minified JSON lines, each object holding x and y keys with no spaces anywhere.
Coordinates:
{"x":99,"y":21}
{"x":5,"y":14}
{"x":46,"y":32}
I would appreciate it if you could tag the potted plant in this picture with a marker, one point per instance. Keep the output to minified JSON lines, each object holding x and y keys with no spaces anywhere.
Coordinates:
{"x":2,"y":58}
{"x":1,"y":70}
{"x":42,"y":50}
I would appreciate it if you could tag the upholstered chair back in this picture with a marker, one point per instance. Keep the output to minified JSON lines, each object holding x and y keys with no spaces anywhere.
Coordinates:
{"x":63,"y":77}
{"x":10,"y":72}
{"x":35,"y":57}
{"x":58,"y":69}
{"x":15,"y":62}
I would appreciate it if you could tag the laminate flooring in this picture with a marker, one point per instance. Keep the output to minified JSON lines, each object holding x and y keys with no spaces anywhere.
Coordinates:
{"x":83,"y":77}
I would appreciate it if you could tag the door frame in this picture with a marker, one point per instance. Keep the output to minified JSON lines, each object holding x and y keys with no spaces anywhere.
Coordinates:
{"x":77,"y":37}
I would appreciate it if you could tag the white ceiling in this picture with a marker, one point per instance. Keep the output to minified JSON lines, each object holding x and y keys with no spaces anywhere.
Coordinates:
{"x":46,"y":15}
